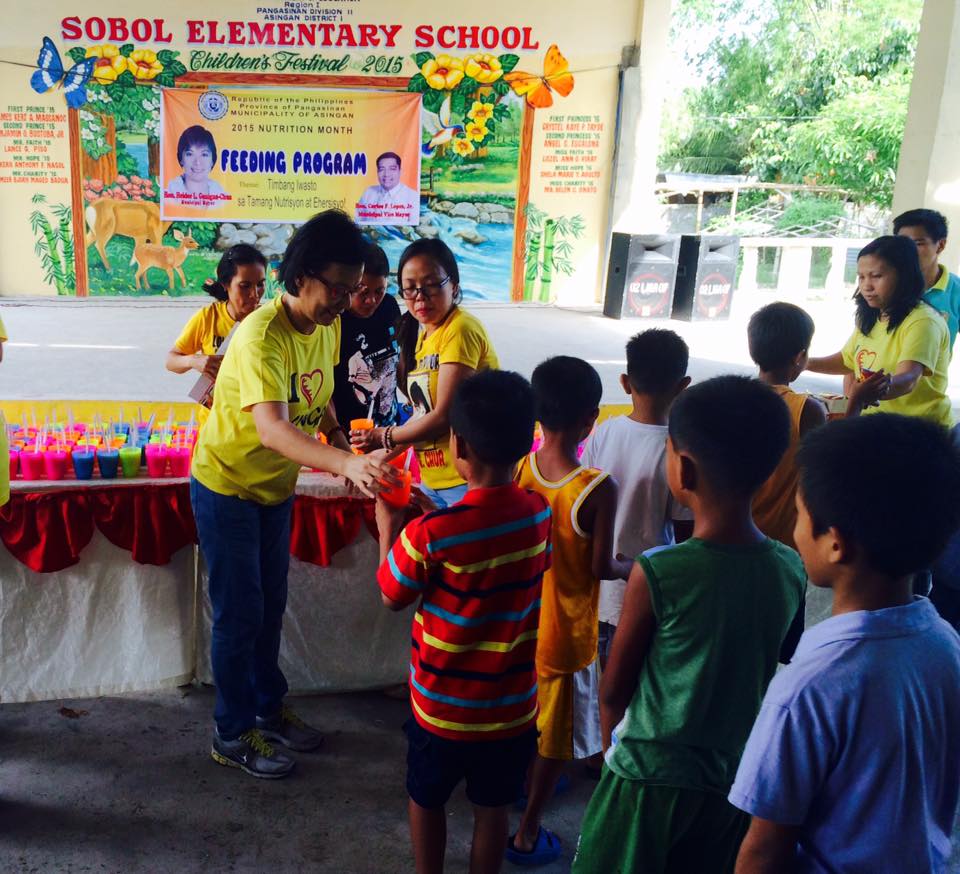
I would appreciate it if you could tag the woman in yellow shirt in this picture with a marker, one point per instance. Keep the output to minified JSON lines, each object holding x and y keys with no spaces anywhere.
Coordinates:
{"x":240,"y":283}
{"x":440,"y":346}
{"x":899,"y":352}
{"x":273,"y":395}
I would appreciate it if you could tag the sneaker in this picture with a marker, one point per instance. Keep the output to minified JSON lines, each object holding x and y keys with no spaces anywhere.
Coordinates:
{"x":251,"y":753}
{"x":290,"y":730}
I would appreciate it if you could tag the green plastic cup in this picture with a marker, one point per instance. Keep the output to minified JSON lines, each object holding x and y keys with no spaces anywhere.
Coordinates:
{"x":130,"y":461}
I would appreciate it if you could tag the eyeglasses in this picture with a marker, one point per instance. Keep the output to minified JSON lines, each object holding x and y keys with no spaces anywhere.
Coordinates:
{"x":426,"y":291}
{"x":338,"y":290}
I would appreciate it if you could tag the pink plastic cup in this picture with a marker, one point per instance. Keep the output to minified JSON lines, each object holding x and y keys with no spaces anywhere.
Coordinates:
{"x":156,"y":460}
{"x":14,"y":463}
{"x":180,"y":457}
{"x":31,"y":464}
{"x":55,"y":463}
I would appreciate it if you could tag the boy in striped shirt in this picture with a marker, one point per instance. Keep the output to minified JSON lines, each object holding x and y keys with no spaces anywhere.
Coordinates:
{"x":477,"y":569}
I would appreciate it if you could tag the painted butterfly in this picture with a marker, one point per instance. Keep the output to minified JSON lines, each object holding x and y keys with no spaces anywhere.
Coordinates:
{"x":556,"y":77}
{"x":51,"y":74}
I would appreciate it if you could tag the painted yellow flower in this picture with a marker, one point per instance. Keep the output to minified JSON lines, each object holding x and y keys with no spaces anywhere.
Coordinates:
{"x":480,"y":112}
{"x":110,"y":63}
{"x":462,"y":147}
{"x":485,"y":68}
{"x":476,"y":131}
{"x":143,"y":64}
{"x":443,"y":73}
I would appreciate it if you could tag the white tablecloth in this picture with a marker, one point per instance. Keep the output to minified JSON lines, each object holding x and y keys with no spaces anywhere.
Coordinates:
{"x":110,"y":625}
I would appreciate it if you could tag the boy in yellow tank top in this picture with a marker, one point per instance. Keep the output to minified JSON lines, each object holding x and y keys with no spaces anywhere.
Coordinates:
{"x":779,"y":336}
{"x":583,"y":502}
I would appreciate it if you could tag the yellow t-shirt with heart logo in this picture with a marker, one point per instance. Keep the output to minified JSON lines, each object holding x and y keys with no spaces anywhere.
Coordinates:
{"x":461,"y":339}
{"x":921,"y":337}
{"x":204,"y":334}
{"x":267,"y":360}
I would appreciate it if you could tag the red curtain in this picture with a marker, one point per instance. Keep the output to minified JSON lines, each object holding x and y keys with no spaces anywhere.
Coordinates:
{"x":47,"y":531}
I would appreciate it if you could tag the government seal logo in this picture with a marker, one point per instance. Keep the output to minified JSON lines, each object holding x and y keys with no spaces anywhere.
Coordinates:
{"x":213,"y":105}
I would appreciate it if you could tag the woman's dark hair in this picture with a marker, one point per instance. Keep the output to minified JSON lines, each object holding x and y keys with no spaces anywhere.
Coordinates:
{"x":196,"y":135}
{"x":408,"y":326}
{"x":901,"y":254}
{"x":417,"y":397}
{"x":330,"y":237}
{"x":234,"y":257}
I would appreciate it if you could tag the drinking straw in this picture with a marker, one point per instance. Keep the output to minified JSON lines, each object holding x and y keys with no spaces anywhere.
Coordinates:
{"x":70,"y":417}
{"x":408,"y":459}
{"x":373,"y":400}
{"x":133,"y":437}
{"x":139,"y":416}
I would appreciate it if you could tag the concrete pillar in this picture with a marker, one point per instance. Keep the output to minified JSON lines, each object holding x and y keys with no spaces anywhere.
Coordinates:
{"x":838,"y":267}
{"x":929,"y":171}
{"x":634,"y":208}
{"x":751,"y":262}
{"x":793,"y":279}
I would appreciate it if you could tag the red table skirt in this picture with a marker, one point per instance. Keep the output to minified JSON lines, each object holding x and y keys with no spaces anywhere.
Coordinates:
{"x":47,"y":531}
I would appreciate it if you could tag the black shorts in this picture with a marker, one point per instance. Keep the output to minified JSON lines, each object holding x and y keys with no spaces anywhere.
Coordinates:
{"x":495,"y":770}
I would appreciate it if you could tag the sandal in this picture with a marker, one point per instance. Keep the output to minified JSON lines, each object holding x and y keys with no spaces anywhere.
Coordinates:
{"x":547,"y":849}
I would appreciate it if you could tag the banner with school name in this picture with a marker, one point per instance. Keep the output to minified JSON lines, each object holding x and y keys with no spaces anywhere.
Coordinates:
{"x":258,"y":154}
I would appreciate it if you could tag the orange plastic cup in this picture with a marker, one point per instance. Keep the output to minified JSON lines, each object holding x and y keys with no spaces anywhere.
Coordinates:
{"x":360,"y":425}
{"x":399,"y":496}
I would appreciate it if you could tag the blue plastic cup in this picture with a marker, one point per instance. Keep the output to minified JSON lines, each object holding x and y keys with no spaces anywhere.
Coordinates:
{"x":108,"y":459}
{"x":83,"y":464}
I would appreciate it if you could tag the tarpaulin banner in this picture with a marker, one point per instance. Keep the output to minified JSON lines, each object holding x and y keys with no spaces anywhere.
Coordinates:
{"x":270,"y":155}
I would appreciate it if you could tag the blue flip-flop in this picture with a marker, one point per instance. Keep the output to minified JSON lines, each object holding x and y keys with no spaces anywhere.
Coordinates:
{"x":547,"y":849}
{"x":563,"y":784}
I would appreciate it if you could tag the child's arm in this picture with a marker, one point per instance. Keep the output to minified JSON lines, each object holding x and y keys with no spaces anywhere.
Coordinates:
{"x":595,"y":517}
{"x":403,"y":573}
{"x":813,"y":415}
{"x":630,"y":644}
{"x":768,"y":848}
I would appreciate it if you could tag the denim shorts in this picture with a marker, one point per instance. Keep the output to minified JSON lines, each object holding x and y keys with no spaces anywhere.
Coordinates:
{"x":494,"y":770}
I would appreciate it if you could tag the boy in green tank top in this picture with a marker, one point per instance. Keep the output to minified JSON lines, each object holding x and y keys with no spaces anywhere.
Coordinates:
{"x":703,"y":626}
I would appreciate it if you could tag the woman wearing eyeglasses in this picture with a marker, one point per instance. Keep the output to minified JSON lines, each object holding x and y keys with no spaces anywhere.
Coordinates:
{"x":273,"y":395}
{"x":367,"y":372}
{"x":440,"y":346}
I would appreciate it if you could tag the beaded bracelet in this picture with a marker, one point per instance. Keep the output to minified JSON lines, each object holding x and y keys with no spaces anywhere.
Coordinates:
{"x":388,"y":443}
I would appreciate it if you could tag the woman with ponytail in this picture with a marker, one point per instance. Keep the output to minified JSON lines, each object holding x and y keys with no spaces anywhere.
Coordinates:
{"x":240,"y":283}
{"x":440,"y":346}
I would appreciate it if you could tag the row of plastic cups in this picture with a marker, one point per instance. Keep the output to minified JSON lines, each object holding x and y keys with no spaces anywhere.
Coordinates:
{"x":52,"y":464}
{"x":160,"y":455}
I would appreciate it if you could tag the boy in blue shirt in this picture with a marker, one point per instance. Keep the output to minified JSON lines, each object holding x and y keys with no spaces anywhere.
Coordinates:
{"x":928,"y":229}
{"x":853,"y":763}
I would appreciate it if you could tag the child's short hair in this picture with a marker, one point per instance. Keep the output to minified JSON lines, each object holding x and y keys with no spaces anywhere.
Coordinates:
{"x":889,"y":483}
{"x":375,"y":261}
{"x":736,"y":428}
{"x":565,"y":390}
{"x":930,"y":220}
{"x":656,"y":361}
{"x":777,"y":334}
{"x":493,"y":412}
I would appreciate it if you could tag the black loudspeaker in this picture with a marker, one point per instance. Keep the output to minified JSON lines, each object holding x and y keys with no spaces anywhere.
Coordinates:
{"x":641,"y":276}
{"x":706,"y":276}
